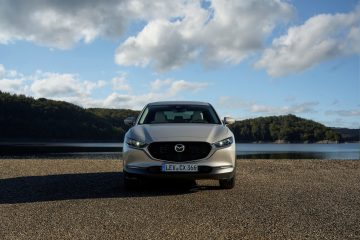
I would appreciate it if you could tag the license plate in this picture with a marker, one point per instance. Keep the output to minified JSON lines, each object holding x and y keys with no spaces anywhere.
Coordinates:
{"x":179,"y":167}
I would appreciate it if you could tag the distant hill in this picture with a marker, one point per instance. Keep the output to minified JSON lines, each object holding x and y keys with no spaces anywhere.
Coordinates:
{"x":348,"y":135}
{"x":288,"y":128}
{"x":27,"y":119}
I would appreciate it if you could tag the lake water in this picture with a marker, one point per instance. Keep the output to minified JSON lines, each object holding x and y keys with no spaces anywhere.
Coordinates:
{"x":346,"y":151}
{"x":299,"y":151}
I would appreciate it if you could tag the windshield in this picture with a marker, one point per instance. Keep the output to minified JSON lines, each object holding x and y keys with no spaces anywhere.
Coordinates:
{"x":179,"y":114}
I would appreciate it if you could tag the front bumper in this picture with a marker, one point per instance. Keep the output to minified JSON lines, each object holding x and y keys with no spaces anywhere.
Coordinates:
{"x":149,"y":173}
{"x":220,"y":164}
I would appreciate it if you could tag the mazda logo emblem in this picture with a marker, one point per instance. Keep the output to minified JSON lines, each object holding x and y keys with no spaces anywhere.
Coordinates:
{"x":179,"y":148}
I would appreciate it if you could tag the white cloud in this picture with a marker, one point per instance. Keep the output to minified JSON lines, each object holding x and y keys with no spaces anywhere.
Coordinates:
{"x":182,"y":85}
{"x":181,"y":31}
{"x":160,"y":90}
{"x":116,"y":100}
{"x":55,"y":85}
{"x":70,"y":88}
{"x":232,"y":103}
{"x":11,"y":81}
{"x":344,"y":113}
{"x":101,"y":83}
{"x":177,"y":85}
{"x":320,"y":38}
{"x":254,"y":107}
{"x":158,"y":83}
{"x":12,"y":85}
{"x":305,"y":107}
{"x":8,"y":73}
{"x":120,"y":83}
{"x":2,"y":70}
{"x":159,"y":42}
{"x":341,"y":122}
{"x":240,"y":27}
{"x":61,"y":24}
{"x":149,"y":10}
{"x":227,"y":31}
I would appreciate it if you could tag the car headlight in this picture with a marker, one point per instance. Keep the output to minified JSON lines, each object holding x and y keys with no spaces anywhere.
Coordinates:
{"x":224,"y":143}
{"x":135,"y":143}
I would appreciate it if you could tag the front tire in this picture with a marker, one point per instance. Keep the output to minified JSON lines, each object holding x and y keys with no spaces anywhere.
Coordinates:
{"x":227,"y":183}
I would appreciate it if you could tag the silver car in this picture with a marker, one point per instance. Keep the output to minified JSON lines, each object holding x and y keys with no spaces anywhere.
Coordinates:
{"x":185,"y":140}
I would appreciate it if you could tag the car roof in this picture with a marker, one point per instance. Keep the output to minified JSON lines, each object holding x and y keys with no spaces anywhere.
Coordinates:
{"x":178,"y":103}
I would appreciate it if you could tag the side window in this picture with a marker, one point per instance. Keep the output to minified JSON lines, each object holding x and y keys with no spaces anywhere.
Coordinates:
{"x":143,"y":116}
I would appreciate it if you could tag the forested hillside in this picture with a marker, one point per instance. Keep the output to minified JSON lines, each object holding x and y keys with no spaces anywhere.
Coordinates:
{"x":348,"y":135}
{"x":27,"y":119}
{"x":288,"y":128}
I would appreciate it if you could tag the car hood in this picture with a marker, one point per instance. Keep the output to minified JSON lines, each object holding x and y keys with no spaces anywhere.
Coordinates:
{"x":179,"y":132}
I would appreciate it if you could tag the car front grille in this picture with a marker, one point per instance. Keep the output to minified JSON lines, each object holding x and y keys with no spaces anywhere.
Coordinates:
{"x":192,"y":151}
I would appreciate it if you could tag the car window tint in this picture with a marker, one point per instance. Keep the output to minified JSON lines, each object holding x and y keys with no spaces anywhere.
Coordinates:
{"x":179,"y":114}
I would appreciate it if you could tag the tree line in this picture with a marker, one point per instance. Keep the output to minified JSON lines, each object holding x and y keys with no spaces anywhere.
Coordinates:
{"x":287,"y":128}
{"x":24,"y":118}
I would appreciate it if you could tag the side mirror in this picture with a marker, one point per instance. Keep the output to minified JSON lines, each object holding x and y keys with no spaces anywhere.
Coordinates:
{"x":130,"y":121}
{"x":228,"y":120}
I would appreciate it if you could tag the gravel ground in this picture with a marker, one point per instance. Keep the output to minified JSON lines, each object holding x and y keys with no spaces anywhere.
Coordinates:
{"x":273,"y":199}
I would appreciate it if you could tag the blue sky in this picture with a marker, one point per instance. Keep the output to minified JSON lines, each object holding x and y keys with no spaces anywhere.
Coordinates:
{"x":248,"y":58}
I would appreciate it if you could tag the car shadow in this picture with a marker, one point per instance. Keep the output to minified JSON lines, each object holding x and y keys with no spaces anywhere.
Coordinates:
{"x":86,"y":186}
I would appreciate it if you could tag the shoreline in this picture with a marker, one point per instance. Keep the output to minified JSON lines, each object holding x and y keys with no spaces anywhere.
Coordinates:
{"x":347,"y":151}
